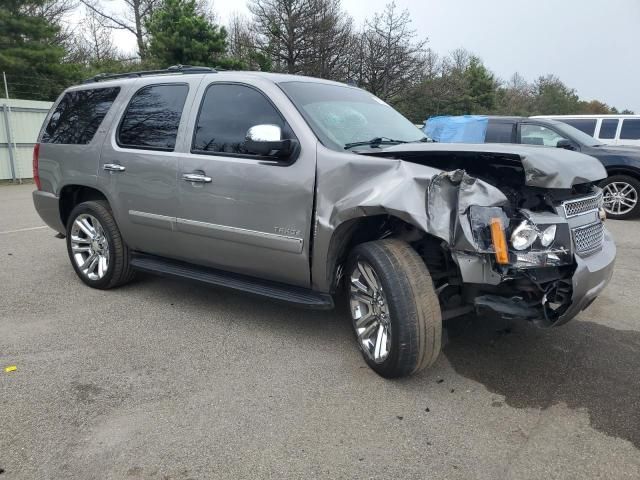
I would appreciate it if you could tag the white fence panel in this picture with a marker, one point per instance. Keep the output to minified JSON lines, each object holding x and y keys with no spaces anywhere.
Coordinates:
{"x":25,"y":118}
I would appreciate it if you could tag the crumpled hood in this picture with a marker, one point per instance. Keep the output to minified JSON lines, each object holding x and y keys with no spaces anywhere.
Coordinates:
{"x":544,"y":167}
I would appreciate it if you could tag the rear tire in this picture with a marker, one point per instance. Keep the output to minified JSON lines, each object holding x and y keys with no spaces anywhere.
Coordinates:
{"x":96,"y":249}
{"x":621,"y":197}
{"x":394,"y":309}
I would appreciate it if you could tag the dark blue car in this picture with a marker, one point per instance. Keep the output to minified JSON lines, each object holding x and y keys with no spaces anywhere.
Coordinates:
{"x":622,"y":187}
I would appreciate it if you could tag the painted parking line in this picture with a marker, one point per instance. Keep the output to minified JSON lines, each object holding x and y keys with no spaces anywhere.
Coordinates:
{"x":24,"y":229}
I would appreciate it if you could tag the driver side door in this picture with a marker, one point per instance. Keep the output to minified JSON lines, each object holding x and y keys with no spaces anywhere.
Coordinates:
{"x":239,"y":211}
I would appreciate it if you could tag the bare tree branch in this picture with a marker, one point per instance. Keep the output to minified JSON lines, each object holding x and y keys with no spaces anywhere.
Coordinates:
{"x":117,"y":22}
{"x":133,"y":20}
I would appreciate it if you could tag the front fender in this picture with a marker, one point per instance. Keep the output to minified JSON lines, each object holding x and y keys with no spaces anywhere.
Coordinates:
{"x":351,"y":186}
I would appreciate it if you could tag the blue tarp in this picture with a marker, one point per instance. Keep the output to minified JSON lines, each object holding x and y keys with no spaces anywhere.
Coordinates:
{"x":460,"y":129}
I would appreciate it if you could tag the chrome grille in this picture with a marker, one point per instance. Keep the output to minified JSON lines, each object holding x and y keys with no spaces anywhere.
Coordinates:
{"x":573,"y":208}
{"x":588,"y":239}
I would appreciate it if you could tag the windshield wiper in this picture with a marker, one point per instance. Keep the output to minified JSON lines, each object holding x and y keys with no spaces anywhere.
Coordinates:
{"x":374,"y":142}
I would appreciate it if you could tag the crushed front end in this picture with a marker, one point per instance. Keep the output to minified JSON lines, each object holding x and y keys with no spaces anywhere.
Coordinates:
{"x":524,"y":227}
{"x":511,"y":229}
{"x":545,"y":263}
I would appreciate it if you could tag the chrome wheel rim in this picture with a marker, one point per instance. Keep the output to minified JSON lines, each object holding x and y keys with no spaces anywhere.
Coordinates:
{"x":89,"y":247}
{"x":619,"y":198}
{"x":370,"y":312}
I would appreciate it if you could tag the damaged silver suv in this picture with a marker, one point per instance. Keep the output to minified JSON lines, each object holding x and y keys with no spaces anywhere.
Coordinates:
{"x":293,"y":188}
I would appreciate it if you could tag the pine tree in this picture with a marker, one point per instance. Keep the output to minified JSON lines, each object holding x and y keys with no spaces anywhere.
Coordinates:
{"x":31,"y":53}
{"x":180,"y":34}
{"x":480,"y":91}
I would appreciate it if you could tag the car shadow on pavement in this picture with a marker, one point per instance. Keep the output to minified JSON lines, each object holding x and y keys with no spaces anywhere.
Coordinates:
{"x":583,"y":364}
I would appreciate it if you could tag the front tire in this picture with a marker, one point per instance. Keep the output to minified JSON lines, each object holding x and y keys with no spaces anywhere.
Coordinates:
{"x":394,"y":309}
{"x":95,"y":247}
{"x":621,"y":195}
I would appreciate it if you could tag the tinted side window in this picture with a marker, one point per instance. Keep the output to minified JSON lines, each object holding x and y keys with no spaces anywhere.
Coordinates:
{"x":630,"y":129}
{"x":608,"y":128}
{"x":539,"y":135}
{"x":152,"y":118}
{"x":226,"y":113}
{"x":499,"y":132}
{"x":78,"y":115}
{"x":587,"y":125}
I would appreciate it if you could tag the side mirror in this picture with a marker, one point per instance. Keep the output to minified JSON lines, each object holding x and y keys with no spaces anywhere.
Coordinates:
{"x":566,"y":144}
{"x":267,"y":140}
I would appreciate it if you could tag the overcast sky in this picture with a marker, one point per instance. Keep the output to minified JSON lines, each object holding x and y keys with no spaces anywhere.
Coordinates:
{"x":592,"y":45}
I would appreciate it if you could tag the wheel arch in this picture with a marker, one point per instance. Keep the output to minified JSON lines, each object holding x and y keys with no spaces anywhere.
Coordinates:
{"x":631,"y":176}
{"x":72,"y":195}
{"x":352,"y":232}
{"x":623,"y":170}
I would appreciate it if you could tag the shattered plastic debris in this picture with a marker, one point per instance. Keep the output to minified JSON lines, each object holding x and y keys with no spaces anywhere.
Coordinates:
{"x":10,"y":368}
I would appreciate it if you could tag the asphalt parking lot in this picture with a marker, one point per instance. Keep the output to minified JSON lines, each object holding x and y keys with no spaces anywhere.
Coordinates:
{"x":167,"y":380}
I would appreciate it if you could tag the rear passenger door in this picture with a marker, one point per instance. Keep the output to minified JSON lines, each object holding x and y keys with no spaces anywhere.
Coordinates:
{"x":138,"y":166}
{"x":250,"y":214}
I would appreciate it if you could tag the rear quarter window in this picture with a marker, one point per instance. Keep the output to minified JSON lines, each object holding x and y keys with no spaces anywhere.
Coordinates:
{"x":630,"y":129}
{"x":78,"y":116}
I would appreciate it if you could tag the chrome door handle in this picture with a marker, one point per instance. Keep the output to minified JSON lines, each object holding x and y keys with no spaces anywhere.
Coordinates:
{"x":196,"y":177}
{"x":114,"y":167}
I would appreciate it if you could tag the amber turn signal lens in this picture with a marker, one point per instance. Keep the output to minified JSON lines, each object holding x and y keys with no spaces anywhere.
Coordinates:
{"x":499,"y":240}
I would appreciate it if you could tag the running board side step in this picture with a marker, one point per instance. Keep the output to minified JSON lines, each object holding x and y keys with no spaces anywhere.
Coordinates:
{"x":299,"y":296}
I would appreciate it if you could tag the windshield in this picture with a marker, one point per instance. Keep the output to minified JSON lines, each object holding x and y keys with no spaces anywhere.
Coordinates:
{"x":340,"y":116}
{"x":577,"y":135}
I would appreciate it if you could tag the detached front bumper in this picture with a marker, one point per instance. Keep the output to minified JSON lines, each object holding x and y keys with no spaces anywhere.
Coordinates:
{"x":591,"y":276}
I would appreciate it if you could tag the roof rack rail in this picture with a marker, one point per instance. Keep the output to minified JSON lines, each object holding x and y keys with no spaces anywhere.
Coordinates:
{"x":184,"y":69}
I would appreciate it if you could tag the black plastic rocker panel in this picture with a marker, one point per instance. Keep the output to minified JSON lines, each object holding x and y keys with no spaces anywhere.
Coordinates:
{"x":278,"y":291}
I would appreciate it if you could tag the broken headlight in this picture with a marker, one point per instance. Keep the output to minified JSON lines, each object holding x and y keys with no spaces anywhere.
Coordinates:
{"x":526,"y":234}
{"x":489,"y":226}
{"x":548,"y":235}
{"x":480,"y":219}
{"x":523,"y":236}
{"x":541,"y":239}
